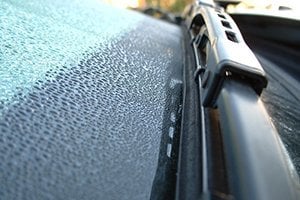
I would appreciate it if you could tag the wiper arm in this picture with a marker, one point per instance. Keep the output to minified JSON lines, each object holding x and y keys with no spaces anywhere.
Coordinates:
{"x":220,"y":52}
{"x":230,"y":80}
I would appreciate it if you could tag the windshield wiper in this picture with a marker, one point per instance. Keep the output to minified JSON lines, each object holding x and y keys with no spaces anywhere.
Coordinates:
{"x":229,"y":82}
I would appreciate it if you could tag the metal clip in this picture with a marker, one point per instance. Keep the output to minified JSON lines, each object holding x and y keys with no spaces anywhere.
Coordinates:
{"x":222,"y":53}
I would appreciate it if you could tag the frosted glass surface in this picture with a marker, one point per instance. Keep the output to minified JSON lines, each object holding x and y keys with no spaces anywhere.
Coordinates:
{"x":39,"y":36}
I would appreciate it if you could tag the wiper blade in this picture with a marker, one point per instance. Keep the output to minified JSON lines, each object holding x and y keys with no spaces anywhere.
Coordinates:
{"x":230,"y":81}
